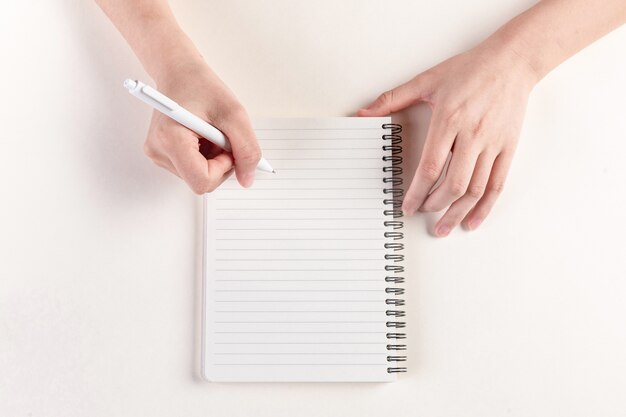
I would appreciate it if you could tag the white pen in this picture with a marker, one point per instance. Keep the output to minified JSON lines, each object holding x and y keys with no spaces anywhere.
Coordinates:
{"x":170,"y":108}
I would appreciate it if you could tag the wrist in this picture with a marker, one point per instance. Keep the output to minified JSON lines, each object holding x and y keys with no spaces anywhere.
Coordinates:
{"x":529,"y":42}
{"x":168,"y":51}
{"x":512,"y":52}
{"x":177,"y":66}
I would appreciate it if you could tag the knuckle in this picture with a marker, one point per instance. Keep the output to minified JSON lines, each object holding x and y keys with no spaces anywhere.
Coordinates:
{"x":429,"y":170}
{"x":148,"y":150}
{"x":426,"y":78}
{"x":159,"y":164}
{"x":201,"y":184}
{"x":478,"y":128}
{"x":475,"y":191}
{"x":167,"y":144}
{"x":197,"y":188}
{"x":497,"y":187}
{"x":249,"y":153}
{"x":211,"y":186}
{"x":237,"y":111}
{"x":159,"y":131}
{"x":452,"y":115}
{"x":232,"y":112}
{"x":386,"y":98}
{"x":463,"y":151}
{"x":457,"y":188}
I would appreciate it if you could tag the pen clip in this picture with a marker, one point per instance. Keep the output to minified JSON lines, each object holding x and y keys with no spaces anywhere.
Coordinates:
{"x":157,"y":98}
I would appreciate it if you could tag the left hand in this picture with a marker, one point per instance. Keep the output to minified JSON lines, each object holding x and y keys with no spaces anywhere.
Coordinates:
{"x":478,"y":100}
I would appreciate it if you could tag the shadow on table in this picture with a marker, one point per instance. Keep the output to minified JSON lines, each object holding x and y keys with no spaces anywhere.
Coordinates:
{"x":114,"y":135}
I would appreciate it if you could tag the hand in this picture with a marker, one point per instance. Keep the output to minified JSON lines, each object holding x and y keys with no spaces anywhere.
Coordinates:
{"x":478,"y":100}
{"x":202,"y":165}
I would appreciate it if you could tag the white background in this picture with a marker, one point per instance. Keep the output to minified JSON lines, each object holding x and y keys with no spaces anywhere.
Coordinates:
{"x":99,"y":249}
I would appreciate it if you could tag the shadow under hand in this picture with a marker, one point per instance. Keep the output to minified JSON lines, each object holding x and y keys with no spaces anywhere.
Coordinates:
{"x":415,"y":121}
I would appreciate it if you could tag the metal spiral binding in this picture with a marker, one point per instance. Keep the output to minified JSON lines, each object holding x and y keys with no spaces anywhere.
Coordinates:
{"x":393,"y":202}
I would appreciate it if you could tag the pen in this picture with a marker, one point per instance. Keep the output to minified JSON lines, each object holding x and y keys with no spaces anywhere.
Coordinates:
{"x":175,"y":111}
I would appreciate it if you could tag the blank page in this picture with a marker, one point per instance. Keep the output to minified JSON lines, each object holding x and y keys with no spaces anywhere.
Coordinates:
{"x":294,"y":267}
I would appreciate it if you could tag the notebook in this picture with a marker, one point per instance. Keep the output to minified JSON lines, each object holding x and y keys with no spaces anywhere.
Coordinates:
{"x":303,"y":271}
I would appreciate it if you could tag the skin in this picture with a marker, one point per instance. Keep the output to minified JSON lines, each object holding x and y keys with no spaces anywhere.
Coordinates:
{"x":181,"y":73}
{"x":478,"y":100}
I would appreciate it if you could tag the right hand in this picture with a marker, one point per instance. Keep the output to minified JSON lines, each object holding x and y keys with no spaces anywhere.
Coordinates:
{"x":201,"y":164}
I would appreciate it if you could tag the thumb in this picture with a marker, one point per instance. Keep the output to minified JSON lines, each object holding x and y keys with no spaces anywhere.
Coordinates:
{"x":393,"y":100}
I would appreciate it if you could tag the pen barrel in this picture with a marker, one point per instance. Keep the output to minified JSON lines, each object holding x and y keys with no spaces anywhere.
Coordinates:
{"x":173,"y":110}
{"x":204,"y":129}
{"x":201,"y":127}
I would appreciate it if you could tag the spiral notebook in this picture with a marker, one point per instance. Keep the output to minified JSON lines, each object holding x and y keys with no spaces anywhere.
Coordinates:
{"x":303,"y":272}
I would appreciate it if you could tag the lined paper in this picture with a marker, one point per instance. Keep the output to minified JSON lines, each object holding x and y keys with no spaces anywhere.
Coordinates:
{"x":294,"y":266}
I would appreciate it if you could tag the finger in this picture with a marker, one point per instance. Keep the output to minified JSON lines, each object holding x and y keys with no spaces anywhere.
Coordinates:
{"x":436,"y":150}
{"x":226,"y":175}
{"x":457,"y":178}
{"x":166,"y":164}
{"x":208,"y":149}
{"x":159,"y":159}
{"x":396,"y":99}
{"x":493,"y":190}
{"x":245,"y":148}
{"x":200,"y":174}
{"x":459,"y":209}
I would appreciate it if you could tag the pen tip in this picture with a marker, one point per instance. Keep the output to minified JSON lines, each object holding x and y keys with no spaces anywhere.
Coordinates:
{"x":273,"y":171}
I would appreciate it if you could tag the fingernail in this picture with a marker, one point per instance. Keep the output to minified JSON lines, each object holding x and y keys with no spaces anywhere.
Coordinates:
{"x":247,"y":179}
{"x":443,"y":231}
{"x":473,"y":224}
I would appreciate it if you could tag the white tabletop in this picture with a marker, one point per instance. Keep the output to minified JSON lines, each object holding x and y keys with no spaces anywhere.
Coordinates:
{"x":99,"y":249}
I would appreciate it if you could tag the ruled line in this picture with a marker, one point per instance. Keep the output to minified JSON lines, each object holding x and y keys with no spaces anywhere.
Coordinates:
{"x":300,"y":198}
{"x":306,"y":269}
{"x":299,"y":311}
{"x":318,"y":179}
{"x":302,"y":228}
{"x":318,"y":209}
{"x":326,"y":169}
{"x":301,"y":364}
{"x":296,"y":259}
{"x":305,"y":189}
{"x":376,"y":290}
{"x":282,"y":129}
{"x":347,"y":158}
{"x":297,"y":280}
{"x":301,"y":218}
{"x":299,"y":343}
{"x":299,"y":332}
{"x":298,"y":353}
{"x":301,"y":238}
{"x":323,"y":149}
{"x":297,"y":322}
{"x":299,"y":301}
{"x":295,"y":249}
{"x":367,"y":140}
